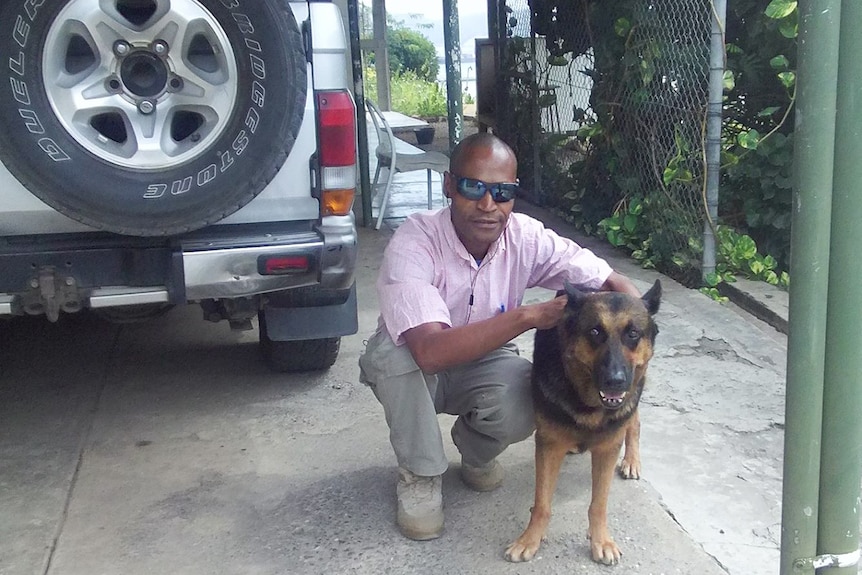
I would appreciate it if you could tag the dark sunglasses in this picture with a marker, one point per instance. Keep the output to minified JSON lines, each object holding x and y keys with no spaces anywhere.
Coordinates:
{"x":475,"y":190}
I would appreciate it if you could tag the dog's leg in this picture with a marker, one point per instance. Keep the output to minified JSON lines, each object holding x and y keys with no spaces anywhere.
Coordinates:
{"x":604,"y":458}
{"x":630,"y":466}
{"x":549,"y":458}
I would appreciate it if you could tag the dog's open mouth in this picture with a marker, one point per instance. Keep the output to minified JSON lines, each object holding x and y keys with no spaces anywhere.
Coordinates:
{"x":611,"y":399}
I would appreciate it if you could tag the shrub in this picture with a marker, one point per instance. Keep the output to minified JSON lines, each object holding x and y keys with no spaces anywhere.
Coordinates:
{"x":410,"y":94}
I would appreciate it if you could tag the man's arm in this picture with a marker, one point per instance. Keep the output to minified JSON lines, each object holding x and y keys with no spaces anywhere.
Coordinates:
{"x":435,"y":346}
{"x":619,"y":282}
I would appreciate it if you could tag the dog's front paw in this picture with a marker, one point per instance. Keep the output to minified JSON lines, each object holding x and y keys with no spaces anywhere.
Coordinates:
{"x":523,"y":549}
{"x":605,"y":551}
{"x":630,"y":468}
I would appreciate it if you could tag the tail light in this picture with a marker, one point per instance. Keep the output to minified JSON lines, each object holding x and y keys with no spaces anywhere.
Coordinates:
{"x":283,"y":264}
{"x":337,"y":139}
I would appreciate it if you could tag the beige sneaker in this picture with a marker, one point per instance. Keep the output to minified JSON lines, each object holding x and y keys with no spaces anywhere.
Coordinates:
{"x":485,"y":478}
{"x":420,"y":505}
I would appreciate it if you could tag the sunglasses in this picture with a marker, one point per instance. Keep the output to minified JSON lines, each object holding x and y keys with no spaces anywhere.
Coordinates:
{"x":475,"y":190}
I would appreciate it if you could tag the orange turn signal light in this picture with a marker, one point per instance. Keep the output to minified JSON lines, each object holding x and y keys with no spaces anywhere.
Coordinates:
{"x":337,"y":202}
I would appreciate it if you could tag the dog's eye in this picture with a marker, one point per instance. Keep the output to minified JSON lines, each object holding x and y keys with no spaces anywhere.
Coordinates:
{"x":633,"y":334}
{"x":595,"y":332}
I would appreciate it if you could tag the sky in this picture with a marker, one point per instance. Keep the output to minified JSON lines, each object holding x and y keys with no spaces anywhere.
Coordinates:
{"x":433,"y":9}
{"x":472,"y":20}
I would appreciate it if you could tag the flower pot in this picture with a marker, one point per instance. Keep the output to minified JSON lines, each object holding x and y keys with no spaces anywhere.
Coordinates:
{"x":425,"y":136}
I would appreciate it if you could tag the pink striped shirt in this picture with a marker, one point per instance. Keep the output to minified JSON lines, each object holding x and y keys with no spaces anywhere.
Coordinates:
{"x":427,"y":275}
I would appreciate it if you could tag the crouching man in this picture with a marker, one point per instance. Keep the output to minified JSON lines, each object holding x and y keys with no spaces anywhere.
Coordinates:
{"x":450,"y":288}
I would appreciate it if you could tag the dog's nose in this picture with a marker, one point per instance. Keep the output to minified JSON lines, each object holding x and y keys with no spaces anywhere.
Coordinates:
{"x":616,"y":380}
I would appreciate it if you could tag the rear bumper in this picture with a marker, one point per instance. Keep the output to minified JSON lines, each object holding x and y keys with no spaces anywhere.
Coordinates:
{"x":103,"y":270}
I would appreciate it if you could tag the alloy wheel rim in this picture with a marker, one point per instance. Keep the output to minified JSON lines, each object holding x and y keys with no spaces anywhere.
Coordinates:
{"x":143,"y":84}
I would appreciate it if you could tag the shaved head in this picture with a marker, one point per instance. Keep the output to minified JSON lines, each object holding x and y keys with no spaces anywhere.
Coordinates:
{"x":466,"y":150}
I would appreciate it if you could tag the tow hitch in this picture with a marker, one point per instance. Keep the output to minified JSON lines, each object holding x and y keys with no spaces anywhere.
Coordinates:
{"x":50,"y":293}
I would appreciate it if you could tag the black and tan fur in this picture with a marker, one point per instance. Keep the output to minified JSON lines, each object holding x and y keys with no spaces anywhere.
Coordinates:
{"x":580,"y":369}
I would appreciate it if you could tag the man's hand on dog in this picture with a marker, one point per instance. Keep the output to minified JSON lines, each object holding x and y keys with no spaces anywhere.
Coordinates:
{"x":548,"y":314}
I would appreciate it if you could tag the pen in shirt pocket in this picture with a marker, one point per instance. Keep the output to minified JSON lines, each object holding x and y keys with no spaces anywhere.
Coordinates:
{"x":502,"y":308}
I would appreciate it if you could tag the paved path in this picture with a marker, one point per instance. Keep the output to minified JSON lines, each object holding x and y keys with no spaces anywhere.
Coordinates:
{"x":167,"y":447}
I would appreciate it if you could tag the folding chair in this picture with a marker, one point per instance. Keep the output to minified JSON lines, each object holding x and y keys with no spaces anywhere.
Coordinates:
{"x":400,"y":158}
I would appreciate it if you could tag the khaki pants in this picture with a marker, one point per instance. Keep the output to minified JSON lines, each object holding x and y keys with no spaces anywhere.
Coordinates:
{"x":491,"y":398}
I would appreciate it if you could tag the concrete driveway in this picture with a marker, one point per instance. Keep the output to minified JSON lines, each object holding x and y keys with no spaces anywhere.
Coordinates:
{"x":167,"y":447}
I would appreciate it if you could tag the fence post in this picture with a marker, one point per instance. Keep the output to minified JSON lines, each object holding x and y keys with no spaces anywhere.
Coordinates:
{"x":713,"y":132}
{"x":537,"y":135}
{"x":814,"y":145}
{"x":841,"y":453}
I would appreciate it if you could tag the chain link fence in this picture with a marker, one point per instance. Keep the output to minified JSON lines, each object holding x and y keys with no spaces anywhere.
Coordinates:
{"x":605,"y":105}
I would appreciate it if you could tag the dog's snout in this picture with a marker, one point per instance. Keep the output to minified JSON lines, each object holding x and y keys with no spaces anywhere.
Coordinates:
{"x":616,"y":374}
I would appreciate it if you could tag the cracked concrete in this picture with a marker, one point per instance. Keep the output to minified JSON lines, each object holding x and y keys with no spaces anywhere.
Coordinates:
{"x":168,"y":448}
{"x":716,"y":348}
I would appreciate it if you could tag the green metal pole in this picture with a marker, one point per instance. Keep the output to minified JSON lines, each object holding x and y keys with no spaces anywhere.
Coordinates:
{"x":814,"y":138}
{"x":493,"y":19}
{"x":452,"y":47}
{"x":841,"y":455}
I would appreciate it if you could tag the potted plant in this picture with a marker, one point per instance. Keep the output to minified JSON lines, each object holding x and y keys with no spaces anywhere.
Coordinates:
{"x":425,"y":135}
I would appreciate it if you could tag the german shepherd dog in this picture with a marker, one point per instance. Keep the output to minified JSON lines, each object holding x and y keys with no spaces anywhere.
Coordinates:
{"x":588,"y":376}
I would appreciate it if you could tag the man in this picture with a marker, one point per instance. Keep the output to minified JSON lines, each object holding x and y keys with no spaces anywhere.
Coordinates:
{"x":450,"y":288}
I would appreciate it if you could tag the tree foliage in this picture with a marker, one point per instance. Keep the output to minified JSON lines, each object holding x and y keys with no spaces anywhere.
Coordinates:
{"x":757,"y":159}
{"x":410,"y":50}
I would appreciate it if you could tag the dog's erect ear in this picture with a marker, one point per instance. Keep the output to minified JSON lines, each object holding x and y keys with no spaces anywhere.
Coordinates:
{"x":576,"y":296}
{"x":652,"y":298}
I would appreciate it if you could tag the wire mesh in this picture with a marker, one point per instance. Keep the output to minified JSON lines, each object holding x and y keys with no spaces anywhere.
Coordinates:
{"x":614,"y":97}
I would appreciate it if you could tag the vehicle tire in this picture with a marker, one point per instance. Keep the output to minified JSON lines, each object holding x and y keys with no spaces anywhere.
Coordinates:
{"x":149,"y":117}
{"x":297,"y":355}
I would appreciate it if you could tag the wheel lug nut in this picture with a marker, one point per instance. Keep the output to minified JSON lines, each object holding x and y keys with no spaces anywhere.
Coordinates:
{"x":121,"y":48}
{"x":160,"y":47}
{"x":146,"y":107}
{"x":113,"y":85}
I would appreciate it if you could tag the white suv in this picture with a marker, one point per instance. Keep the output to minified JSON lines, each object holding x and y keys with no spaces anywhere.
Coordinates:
{"x":160,"y":152}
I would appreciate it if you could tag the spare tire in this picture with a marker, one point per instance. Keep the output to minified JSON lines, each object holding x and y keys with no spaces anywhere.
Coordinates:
{"x":149,"y":117}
